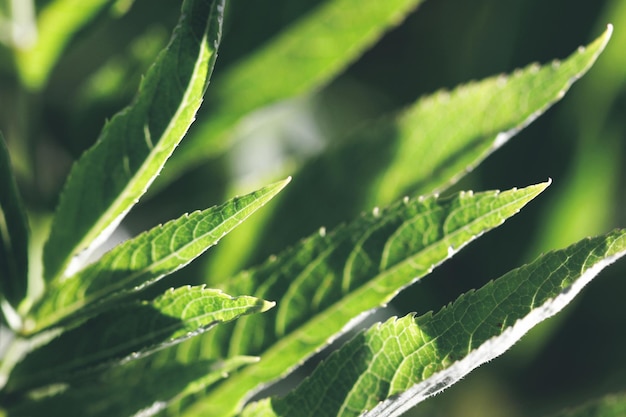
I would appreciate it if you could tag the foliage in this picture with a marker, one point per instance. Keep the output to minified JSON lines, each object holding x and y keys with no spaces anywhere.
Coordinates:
{"x":128,"y":331}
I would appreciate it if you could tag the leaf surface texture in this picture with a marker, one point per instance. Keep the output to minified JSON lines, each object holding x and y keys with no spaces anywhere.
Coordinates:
{"x":328,"y":282}
{"x":111,"y":176}
{"x":129,"y":332}
{"x":393,"y":366}
{"x":139,"y":262}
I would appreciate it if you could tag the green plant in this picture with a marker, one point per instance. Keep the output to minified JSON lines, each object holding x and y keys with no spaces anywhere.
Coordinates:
{"x":104,"y":338}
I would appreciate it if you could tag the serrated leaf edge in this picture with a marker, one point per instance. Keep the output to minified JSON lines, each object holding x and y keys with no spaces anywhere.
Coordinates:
{"x":492,"y":348}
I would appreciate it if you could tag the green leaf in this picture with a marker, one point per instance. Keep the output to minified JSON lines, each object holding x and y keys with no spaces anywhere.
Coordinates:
{"x":590,"y":125}
{"x":57,"y":22}
{"x":329,"y":282}
{"x":130,"y":332}
{"x":458,"y":130}
{"x":141,"y":261}
{"x":609,"y":406}
{"x":109,"y":178}
{"x":132,"y":390}
{"x":302,"y":58}
{"x":393,"y":366}
{"x":426,"y":148}
{"x":13,"y":235}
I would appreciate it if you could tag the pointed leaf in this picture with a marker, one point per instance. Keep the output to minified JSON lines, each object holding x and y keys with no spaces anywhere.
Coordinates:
{"x":57,"y":22}
{"x":110,"y":177}
{"x":135,"y":390}
{"x":301,"y":59}
{"x":141,"y":261}
{"x":393,"y":366}
{"x":329,"y":282}
{"x":437,"y":155}
{"x":426,"y":148}
{"x":593,"y":172}
{"x":130,"y":332}
{"x":13,"y":235}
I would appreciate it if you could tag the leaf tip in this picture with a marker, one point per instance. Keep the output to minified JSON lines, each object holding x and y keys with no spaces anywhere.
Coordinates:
{"x":274,"y":188}
{"x":266,"y":305}
{"x":540,"y":187}
{"x":284,"y":182}
{"x":603,"y":40}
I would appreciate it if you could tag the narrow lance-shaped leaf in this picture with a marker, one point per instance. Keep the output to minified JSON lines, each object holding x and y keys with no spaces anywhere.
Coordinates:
{"x":590,"y":126}
{"x":111,"y":176}
{"x":141,"y":261}
{"x":130,"y":332}
{"x":302,"y":58}
{"x":13,"y":235}
{"x":498,"y":109}
{"x":391,"y":367}
{"x":57,"y":22}
{"x":133,"y":389}
{"x":426,"y":148}
{"x":329,"y":282}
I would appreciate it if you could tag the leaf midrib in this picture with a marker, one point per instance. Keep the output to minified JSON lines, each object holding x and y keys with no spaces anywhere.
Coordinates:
{"x":115,"y":290}
{"x":235,"y":382}
{"x":104,"y":224}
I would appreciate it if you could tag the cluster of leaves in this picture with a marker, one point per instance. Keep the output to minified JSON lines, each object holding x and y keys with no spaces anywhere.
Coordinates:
{"x":101,"y":337}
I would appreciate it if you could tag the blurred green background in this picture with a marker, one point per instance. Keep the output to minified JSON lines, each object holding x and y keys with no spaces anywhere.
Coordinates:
{"x":579,"y":144}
